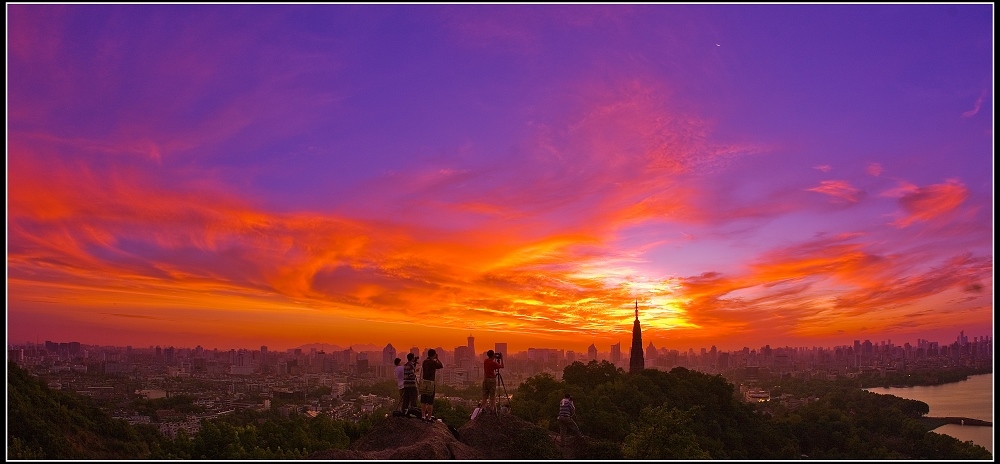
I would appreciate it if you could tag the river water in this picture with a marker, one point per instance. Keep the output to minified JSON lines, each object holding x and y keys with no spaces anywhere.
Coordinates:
{"x":971,"y":398}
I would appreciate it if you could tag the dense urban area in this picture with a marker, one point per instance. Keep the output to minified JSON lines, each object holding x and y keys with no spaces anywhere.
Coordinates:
{"x":175,"y":389}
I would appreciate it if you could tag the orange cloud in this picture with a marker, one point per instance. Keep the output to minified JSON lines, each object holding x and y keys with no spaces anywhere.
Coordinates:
{"x":123,"y":238}
{"x":833,"y":285}
{"x":541,"y":260}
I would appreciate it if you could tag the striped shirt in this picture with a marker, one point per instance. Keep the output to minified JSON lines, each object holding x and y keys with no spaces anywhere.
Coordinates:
{"x":409,"y":375}
{"x":566,"y":408}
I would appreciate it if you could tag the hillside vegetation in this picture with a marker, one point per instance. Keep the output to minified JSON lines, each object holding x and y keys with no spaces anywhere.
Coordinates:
{"x":684,"y":414}
{"x":680,"y":414}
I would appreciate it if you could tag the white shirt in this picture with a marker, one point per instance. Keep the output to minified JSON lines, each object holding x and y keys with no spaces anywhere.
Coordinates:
{"x":399,"y":376}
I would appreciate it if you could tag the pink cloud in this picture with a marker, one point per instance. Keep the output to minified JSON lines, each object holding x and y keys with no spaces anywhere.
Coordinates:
{"x":874,"y":169}
{"x":841,"y":191}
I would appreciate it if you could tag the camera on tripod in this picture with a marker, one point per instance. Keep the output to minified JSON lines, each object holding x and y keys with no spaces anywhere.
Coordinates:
{"x":499,"y":355}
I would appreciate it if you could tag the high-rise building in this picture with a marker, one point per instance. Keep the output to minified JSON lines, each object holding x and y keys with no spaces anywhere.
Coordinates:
{"x":463,"y":356}
{"x":388,"y":354}
{"x":616,"y":353}
{"x":636,"y":361}
{"x":592,"y":353}
{"x":472,"y":345}
{"x":500,"y":348}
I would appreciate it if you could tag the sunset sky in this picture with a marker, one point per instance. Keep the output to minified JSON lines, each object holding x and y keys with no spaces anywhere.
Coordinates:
{"x":238,"y":176}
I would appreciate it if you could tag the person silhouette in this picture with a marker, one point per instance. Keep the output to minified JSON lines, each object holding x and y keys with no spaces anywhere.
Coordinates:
{"x":427,"y":387}
{"x":566,"y":412}
{"x":409,"y":383}
{"x":491,"y":364}
{"x":399,"y":373}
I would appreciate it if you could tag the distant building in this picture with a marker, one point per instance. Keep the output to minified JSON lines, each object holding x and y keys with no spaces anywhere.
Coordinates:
{"x":464,"y":357}
{"x":388,"y":354}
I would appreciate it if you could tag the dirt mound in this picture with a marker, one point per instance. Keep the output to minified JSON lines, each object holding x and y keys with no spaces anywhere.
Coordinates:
{"x":404,"y":438}
{"x":508,"y":437}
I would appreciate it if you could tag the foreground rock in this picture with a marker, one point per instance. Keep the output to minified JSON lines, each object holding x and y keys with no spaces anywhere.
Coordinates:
{"x":508,"y":437}
{"x":404,"y":438}
{"x":488,"y":437}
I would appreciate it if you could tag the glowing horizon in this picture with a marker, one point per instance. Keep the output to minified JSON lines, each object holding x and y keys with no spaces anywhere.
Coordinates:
{"x":411,"y":174}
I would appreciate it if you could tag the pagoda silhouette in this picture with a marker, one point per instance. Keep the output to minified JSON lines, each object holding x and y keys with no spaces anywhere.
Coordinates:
{"x":636,"y":360}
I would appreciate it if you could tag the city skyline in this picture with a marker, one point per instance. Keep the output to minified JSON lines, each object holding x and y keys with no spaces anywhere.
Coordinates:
{"x":793,"y":175}
{"x":961,"y":338}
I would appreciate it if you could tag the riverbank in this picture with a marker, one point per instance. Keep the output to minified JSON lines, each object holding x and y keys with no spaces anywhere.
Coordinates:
{"x":949,"y":404}
{"x":923,"y":378}
{"x":932,"y":423}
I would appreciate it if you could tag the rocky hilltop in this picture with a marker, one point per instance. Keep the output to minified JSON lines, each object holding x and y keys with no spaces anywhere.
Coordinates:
{"x":488,"y":437}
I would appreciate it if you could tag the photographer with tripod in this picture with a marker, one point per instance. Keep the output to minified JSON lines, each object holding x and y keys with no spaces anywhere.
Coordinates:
{"x":491,"y":370}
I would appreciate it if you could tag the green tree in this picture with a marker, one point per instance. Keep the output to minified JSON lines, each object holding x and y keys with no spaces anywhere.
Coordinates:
{"x":664,"y":432}
{"x":537,"y":398}
{"x":589,"y":376}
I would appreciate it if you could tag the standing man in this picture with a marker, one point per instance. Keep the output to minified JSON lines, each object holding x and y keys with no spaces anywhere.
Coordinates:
{"x":399,"y":383}
{"x":409,"y":383}
{"x":492,"y":362}
{"x":566,"y":412}
{"x":427,"y":389}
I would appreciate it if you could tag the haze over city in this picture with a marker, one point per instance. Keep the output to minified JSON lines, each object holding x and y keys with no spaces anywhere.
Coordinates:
{"x":279,"y":175}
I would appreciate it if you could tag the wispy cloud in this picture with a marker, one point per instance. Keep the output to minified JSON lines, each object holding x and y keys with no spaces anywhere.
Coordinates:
{"x":975,"y":108}
{"x":841,"y":191}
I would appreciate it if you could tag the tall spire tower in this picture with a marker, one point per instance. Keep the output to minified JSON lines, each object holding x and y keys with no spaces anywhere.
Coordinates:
{"x":636,"y":361}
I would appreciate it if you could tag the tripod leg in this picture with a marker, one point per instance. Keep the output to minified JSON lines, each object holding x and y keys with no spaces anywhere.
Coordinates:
{"x":506,"y":396}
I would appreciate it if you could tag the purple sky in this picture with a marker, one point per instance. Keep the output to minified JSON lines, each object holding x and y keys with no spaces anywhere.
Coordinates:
{"x":272,"y":174}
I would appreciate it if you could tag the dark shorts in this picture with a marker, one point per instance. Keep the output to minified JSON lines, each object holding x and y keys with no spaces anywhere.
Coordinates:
{"x":489,"y":386}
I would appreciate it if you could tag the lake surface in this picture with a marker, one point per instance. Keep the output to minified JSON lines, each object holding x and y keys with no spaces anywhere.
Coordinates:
{"x":971,"y":398}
